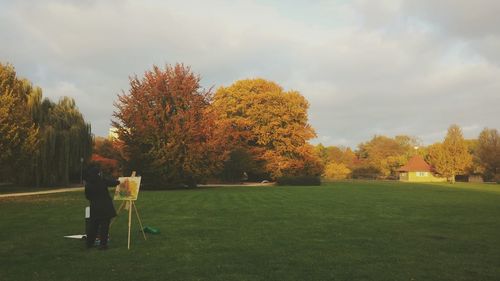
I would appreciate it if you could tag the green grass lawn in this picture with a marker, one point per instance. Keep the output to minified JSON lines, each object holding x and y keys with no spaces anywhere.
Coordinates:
{"x":338,"y":231}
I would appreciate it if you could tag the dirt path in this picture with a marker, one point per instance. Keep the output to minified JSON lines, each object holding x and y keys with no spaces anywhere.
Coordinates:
{"x":69,"y":189}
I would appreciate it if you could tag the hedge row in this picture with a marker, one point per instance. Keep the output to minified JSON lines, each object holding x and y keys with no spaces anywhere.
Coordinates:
{"x":299,"y":180}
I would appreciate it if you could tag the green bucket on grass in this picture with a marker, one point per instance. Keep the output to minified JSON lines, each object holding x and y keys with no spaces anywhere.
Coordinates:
{"x":152,"y":230}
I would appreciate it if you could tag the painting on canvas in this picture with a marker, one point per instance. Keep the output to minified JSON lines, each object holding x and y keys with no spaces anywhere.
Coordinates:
{"x":128,"y":189}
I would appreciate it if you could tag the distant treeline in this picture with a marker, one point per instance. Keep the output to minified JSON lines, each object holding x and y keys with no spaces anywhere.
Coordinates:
{"x":174,"y":133}
{"x":382,"y":156}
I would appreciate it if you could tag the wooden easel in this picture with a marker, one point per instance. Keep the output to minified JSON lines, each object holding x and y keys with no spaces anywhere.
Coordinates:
{"x":129,"y":205}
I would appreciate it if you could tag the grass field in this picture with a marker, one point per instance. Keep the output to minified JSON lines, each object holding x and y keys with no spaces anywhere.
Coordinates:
{"x":338,"y":231}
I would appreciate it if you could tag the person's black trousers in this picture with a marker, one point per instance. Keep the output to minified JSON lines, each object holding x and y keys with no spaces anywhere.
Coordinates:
{"x":101,"y":226}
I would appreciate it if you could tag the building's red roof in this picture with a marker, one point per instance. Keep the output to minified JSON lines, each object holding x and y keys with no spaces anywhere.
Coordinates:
{"x":416,"y":164}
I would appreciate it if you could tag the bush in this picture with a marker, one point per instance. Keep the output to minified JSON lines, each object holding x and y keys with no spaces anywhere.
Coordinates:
{"x":336,"y":171}
{"x":366,"y":172}
{"x":299,"y":180}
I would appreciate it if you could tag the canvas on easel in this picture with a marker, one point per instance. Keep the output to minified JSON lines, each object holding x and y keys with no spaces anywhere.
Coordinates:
{"x":128,"y":191}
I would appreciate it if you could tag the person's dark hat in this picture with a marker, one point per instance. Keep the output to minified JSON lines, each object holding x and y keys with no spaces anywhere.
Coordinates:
{"x":92,"y":173}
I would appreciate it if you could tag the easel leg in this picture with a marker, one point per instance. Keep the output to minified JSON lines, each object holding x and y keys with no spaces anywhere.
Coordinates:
{"x":120,"y":208}
{"x":139,"y":219}
{"x":117,"y":213}
{"x":129,"y":221}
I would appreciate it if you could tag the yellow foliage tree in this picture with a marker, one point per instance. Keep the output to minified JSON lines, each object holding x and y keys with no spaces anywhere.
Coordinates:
{"x":336,"y":171}
{"x":18,"y":133}
{"x":271,"y":123}
{"x":452,"y":156}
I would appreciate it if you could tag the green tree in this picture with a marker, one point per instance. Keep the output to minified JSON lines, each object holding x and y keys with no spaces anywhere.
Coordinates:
{"x":41,"y":142}
{"x":65,"y":140}
{"x":452,"y":156}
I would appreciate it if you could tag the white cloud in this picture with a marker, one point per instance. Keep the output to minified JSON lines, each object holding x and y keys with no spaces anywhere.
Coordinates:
{"x":397,"y":67}
{"x":461,"y":17}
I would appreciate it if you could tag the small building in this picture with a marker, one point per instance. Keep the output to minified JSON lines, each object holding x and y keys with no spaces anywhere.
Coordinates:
{"x":417,"y":170}
{"x":475,"y":178}
{"x":469,"y":178}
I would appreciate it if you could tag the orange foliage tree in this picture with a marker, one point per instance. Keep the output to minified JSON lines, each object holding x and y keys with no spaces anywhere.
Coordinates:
{"x":270,"y":123}
{"x":108,"y":152}
{"x":166,"y":127}
{"x":108,"y":166}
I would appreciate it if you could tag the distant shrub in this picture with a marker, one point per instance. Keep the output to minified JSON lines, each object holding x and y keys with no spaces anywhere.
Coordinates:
{"x":336,"y":171}
{"x":299,"y":180}
{"x":366,"y":172}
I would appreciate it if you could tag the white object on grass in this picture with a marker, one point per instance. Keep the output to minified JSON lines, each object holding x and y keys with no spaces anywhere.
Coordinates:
{"x":76,"y":236}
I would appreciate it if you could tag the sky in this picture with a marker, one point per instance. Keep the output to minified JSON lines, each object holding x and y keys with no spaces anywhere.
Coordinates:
{"x":367,"y":68}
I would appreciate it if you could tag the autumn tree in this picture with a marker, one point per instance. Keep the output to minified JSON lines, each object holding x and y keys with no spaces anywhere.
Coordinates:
{"x":338,"y":161}
{"x":488,"y":152}
{"x":166,"y":127}
{"x":107,"y":153}
{"x":18,"y":133}
{"x":343,"y":155}
{"x":108,"y":166}
{"x":476,"y":167}
{"x":337,"y":154}
{"x":336,"y":171}
{"x":322,"y":152}
{"x":452,"y":156}
{"x":384,"y":155}
{"x":104,"y":147}
{"x":270,"y":123}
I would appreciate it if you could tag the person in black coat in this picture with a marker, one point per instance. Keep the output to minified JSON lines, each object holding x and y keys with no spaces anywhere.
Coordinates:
{"x":101,"y":206}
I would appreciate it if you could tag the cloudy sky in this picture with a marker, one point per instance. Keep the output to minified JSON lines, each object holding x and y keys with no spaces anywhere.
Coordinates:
{"x":367,"y":67}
